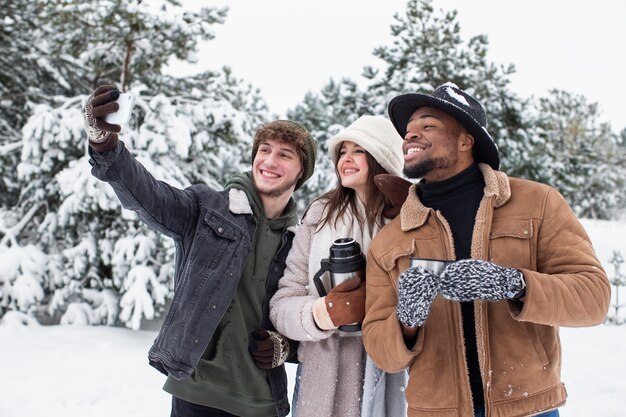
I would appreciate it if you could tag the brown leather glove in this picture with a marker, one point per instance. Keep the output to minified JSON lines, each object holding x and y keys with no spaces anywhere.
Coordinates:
{"x":102,"y":135}
{"x":269,"y":349}
{"x":396,"y":189}
{"x":344,"y":304}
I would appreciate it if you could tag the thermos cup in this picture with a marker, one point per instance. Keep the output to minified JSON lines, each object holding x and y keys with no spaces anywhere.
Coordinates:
{"x":345,"y":262}
{"x":433,"y":265}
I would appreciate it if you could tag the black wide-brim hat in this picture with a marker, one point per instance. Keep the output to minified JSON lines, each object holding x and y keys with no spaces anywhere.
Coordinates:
{"x":458,"y":104}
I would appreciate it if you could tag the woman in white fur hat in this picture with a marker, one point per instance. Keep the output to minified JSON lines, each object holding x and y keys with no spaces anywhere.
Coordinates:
{"x":335,"y":376}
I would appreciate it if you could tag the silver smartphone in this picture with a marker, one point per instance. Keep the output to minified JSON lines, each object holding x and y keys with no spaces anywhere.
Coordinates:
{"x":126,"y":102}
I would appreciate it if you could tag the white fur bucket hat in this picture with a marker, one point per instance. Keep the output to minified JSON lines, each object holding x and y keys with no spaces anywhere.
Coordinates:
{"x":378,"y":137}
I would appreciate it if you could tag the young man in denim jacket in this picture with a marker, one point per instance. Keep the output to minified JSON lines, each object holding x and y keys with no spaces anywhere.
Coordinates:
{"x":217,"y":345}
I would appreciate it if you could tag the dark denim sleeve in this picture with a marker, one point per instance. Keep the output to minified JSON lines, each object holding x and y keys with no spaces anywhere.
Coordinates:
{"x":167,"y":209}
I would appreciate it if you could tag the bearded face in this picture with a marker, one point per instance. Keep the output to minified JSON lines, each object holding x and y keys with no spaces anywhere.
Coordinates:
{"x":432,"y":146}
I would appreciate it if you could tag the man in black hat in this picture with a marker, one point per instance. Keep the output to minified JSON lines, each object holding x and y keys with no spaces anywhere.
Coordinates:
{"x":481,"y":337}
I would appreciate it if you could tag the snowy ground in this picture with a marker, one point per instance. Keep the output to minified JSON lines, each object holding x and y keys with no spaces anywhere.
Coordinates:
{"x":75,"y":371}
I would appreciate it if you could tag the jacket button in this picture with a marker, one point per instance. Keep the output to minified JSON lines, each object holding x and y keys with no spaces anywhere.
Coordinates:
{"x":525,"y":232}
{"x":221,"y":230}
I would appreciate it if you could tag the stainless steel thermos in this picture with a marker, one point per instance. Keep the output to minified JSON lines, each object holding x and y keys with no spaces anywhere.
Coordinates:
{"x":345,"y":262}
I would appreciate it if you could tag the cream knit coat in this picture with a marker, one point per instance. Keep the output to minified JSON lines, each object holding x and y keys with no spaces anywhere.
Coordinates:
{"x":331,"y":367}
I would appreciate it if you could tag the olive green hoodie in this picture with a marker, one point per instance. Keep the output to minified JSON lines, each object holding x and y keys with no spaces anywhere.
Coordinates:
{"x":226,"y":376}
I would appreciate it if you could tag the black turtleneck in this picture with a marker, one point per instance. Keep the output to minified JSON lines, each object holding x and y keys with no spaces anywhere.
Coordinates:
{"x":458,"y":198}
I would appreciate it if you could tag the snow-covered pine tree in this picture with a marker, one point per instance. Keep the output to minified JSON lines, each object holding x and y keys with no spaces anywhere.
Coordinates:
{"x":31,"y":75}
{"x":580,"y":155}
{"x":103,"y":265}
{"x":427,"y":50}
{"x":31,"y":72}
{"x":618,"y":280}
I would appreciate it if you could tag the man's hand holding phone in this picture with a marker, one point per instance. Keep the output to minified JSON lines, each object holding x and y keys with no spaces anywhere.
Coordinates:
{"x":105,"y":111}
{"x":125,"y":103}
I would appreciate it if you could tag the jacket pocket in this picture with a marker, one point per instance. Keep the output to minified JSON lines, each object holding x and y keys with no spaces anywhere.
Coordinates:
{"x":542,"y":355}
{"x":511,"y":243}
{"x":218,"y":235}
{"x":398,"y":256}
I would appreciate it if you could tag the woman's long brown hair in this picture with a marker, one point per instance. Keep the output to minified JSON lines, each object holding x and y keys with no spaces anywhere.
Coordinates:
{"x":340,"y":199}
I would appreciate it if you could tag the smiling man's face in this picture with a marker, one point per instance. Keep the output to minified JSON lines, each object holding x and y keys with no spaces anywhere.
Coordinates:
{"x":435,"y":146}
{"x":276,"y":168}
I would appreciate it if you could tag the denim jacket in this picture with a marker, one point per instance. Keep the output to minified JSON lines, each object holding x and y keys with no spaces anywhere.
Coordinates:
{"x":212,"y":245}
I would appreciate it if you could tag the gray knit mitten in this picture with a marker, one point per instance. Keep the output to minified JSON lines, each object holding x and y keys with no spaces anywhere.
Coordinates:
{"x":99,"y":104}
{"x":474,"y":279}
{"x":417,"y":288}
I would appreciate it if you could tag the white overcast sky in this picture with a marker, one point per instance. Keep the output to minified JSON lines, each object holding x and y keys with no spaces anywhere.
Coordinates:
{"x":287,"y":47}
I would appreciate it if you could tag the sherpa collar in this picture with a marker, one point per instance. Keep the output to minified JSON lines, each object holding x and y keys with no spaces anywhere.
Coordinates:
{"x":238,"y":202}
{"x":414,"y":214}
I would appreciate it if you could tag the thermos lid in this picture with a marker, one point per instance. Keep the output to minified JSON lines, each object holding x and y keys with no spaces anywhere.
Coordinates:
{"x":345,"y":249}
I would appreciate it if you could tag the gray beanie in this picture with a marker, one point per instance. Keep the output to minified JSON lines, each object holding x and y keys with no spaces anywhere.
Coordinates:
{"x":378,"y":137}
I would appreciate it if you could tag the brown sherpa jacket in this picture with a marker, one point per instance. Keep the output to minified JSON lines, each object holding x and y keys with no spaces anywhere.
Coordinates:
{"x":520,"y":224}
